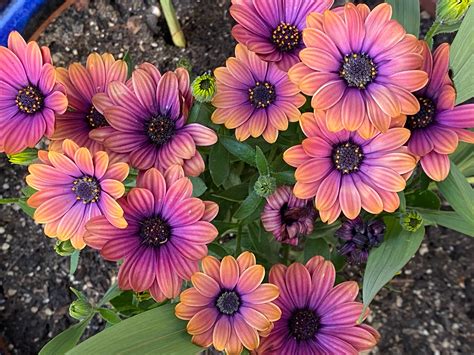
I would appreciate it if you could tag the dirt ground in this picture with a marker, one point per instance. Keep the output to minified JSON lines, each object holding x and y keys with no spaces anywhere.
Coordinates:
{"x":429,"y":311}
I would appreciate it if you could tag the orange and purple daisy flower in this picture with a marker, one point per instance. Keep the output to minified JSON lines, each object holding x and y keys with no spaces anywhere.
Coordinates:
{"x":345,"y":172}
{"x":255,"y":97}
{"x":228,"y":306}
{"x":148,"y":116}
{"x":438,"y":126}
{"x":74,"y":187}
{"x":317,"y":318}
{"x":273,"y":28}
{"x":361,"y":67}
{"x":288,"y":217}
{"x":165,"y":238}
{"x":30,"y":95}
{"x":81,"y":122}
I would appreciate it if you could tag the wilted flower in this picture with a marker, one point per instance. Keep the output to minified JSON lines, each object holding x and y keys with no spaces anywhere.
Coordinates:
{"x":411,"y":221}
{"x":83,"y":122}
{"x":273,"y":28}
{"x":166,"y":236}
{"x":357,"y":238}
{"x":344,"y":171}
{"x":361,"y":67}
{"x":317,"y":318}
{"x":438,"y":126}
{"x":29,"y":94}
{"x":288,"y":217}
{"x":255,"y":97}
{"x":451,"y":11}
{"x":149,"y":117}
{"x":228,"y":306}
{"x":204,"y":87}
{"x":74,"y":187}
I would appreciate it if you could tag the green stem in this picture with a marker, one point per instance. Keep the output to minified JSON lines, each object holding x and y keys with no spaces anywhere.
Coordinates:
{"x":431,"y":32}
{"x":285,"y":252}
{"x":173,"y":24}
{"x":238,"y":241}
{"x":5,"y":201}
{"x":272,"y":154}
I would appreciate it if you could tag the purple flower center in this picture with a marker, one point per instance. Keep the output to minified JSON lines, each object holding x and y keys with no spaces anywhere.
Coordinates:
{"x":293,"y":214}
{"x":286,"y":37}
{"x":160,"y":129}
{"x":262,"y":95}
{"x":228,"y":302}
{"x":87,"y":189}
{"x":29,"y":99}
{"x":154,"y":232}
{"x":95,"y":119}
{"x":303,"y":324}
{"x":424,"y":117}
{"x":347,"y":157}
{"x":358,"y":70}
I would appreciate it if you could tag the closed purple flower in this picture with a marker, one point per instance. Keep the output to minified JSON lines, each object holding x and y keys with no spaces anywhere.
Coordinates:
{"x":273,"y":28}
{"x":288,"y":217}
{"x":358,"y":238}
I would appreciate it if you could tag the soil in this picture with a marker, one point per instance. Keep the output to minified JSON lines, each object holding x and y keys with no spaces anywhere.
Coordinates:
{"x":429,"y":310}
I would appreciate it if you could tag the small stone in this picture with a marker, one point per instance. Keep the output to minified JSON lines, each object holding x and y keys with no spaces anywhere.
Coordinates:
{"x":48,"y":312}
{"x":2,"y":230}
{"x":34,"y":309}
{"x":423,"y":250}
{"x":5,"y":246}
{"x":11,"y":292}
{"x":6,"y":186}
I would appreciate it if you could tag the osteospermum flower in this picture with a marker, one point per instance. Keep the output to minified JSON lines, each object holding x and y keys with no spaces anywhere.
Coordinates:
{"x":228,"y":306}
{"x":438,"y":126}
{"x":317,"y":318}
{"x":345,"y":172}
{"x":74,"y":187}
{"x":357,"y":238}
{"x":83,"y":121}
{"x":254,"y":97}
{"x":29,"y":94}
{"x":361,"y":67}
{"x":288,"y":217}
{"x":166,"y":236}
{"x":273,"y":28}
{"x":149,"y":116}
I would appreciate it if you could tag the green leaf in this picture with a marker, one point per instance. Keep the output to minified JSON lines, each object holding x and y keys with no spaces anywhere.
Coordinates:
{"x":79,"y":294}
{"x":261,"y":161}
{"x":235,"y":193}
{"x":218,"y":250}
{"x":109,"y":315}
{"x":448,"y":219}
{"x":66,"y":340}
{"x":389,"y":258}
{"x":463,"y":45}
{"x":219,"y":164}
{"x":241,"y":150}
{"x":111,"y":293}
{"x":407,"y":12}
{"x":249,"y":205}
{"x":74,"y":262}
{"x":201,"y":112}
{"x":463,"y":157}
{"x":426,"y":199}
{"x":156,"y":331}
{"x":285,"y":178}
{"x":463,"y":81}
{"x":314,"y":247}
{"x":30,"y":211}
{"x":128,"y":59}
{"x":459,"y":193}
{"x":199,"y":186}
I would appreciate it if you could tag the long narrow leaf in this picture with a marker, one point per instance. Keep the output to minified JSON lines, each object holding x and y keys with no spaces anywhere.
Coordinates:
{"x":407,"y":12}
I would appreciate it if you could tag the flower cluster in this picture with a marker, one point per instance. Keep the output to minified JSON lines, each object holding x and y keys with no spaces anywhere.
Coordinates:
{"x":345,"y":96}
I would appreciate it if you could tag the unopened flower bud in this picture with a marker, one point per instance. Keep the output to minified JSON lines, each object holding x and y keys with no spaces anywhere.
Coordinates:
{"x":411,"y":221}
{"x":80,"y":309}
{"x":26,"y":157}
{"x":64,"y":248}
{"x":265,"y":185}
{"x":451,"y":11}
{"x":204,"y":87}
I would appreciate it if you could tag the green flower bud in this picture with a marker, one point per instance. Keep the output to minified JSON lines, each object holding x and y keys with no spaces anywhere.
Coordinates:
{"x":452,"y":11}
{"x":64,"y":248}
{"x":265,"y":185}
{"x":26,"y":157}
{"x":411,"y":221}
{"x":204,"y":87}
{"x":80,"y":309}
